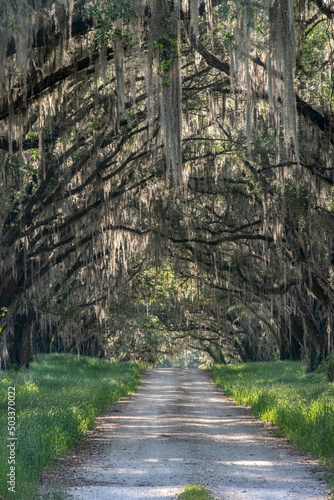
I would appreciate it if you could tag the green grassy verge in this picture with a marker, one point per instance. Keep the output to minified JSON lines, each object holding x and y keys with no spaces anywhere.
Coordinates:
{"x":195,"y":491}
{"x":57,"y":400}
{"x":300,"y":404}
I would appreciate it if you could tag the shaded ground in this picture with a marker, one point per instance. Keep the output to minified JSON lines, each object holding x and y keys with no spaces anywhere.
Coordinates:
{"x":178,"y":429}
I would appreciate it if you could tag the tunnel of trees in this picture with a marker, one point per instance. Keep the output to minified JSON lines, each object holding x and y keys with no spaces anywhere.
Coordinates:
{"x":167,"y":179}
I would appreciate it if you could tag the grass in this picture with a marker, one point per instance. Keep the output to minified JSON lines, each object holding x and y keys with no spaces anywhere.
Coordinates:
{"x":300,"y":404}
{"x":57,"y":400}
{"x":195,"y":491}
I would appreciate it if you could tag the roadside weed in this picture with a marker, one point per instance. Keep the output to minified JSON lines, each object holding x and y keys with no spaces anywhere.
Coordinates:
{"x":57,"y":400}
{"x":300,"y":404}
{"x":195,"y":491}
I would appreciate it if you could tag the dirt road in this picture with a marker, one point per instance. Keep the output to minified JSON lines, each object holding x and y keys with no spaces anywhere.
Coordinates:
{"x":178,"y":429}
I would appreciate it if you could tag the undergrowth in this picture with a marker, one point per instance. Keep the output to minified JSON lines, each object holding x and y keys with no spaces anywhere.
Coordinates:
{"x":57,"y":400}
{"x":300,"y":404}
{"x":195,"y":491}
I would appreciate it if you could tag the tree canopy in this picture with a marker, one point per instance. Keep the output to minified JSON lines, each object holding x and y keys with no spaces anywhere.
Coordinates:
{"x":167,"y":178}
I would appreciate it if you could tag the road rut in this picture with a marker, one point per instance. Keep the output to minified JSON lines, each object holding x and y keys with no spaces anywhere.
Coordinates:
{"x":178,"y":429}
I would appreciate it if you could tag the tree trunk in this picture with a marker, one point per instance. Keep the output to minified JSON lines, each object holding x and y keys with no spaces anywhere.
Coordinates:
{"x":21,"y":352}
{"x":313,"y":359}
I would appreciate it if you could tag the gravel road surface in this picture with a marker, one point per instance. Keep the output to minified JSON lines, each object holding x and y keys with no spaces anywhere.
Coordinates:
{"x":178,"y":429}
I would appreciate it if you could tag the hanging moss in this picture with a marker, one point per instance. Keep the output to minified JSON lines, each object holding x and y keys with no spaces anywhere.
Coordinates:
{"x":123,"y":147}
